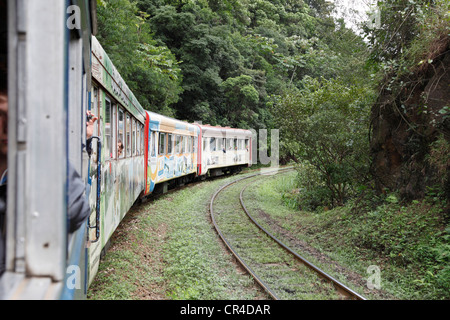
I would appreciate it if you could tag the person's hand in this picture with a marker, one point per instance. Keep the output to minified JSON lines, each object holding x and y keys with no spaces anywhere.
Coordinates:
{"x":91,"y":118}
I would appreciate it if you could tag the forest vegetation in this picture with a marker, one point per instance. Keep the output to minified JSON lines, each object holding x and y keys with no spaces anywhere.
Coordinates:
{"x":364,"y":116}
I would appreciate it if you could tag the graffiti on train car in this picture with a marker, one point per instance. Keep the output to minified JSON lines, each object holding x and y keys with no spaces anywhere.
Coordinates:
{"x":173,"y":166}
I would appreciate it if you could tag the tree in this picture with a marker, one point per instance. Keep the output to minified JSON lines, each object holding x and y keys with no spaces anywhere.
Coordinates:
{"x":150,"y":70}
{"x":325,"y":125}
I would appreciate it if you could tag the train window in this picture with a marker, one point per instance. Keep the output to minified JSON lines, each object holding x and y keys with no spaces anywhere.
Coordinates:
{"x":113,"y":130}
{"x":125,"y":134}
{"x":246,"y":144}
{"x":212,"y":144}
{"x":191,"y":146}
{"x":128,"y":144}
{"x":141,"y":140}
{"x":204,"y":144}
{"x":183,"y":144}
{"x":138,"y":139}
{"x":170,"y":143}
{"x":153,"y":142}
{"x":107,"y":124}
{"x":94,"y":109}
{"x":120,"y":134}
{"x":195,"y":144}
{"x":177,"y":144}
{"x":133,"y":137}
{"x":230,"y":144}
{"x":188,"y":144}
{"x":162,"y":143}
{"x":235,"y":144}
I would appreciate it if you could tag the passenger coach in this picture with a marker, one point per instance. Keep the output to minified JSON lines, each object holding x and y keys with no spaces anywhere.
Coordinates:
{"x":171,"y":152}
{"x":223,"y":150}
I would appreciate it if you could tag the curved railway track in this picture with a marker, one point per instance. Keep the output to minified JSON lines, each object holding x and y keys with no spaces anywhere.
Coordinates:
{"x":279,"y":276}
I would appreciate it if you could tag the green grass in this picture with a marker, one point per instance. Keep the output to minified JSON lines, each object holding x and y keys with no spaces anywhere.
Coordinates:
{"x":187,"y":260}
{"x":168,"y":248}
{"x":409,"y":243}
{"x":288,"y":278}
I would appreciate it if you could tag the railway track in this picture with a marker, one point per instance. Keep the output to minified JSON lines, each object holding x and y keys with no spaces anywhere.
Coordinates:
{"x":280,"y":271}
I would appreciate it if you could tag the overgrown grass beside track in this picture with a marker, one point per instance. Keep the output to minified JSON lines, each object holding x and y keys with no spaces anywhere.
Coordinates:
{"x":168,"y":248}
{"x":409,"y":243}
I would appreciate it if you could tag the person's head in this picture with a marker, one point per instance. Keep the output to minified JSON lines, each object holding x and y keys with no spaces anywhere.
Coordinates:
{"x":120,"y":147}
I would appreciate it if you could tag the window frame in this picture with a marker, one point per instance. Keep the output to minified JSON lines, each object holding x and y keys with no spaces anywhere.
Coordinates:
{"x":107,"y":138}
{"x":128,"y":135}
{"x":162,"y":135}
{"x":121,"y":112}
{"x":170,"y":147}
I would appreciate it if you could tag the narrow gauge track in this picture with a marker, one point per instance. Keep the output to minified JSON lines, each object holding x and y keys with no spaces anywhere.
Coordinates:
{"x":280,"y":271}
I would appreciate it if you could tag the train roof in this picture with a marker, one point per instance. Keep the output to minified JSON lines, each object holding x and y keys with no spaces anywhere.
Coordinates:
{"x":106,"y":74}
{"x":225,"y":132}
{"x":167,"y":124}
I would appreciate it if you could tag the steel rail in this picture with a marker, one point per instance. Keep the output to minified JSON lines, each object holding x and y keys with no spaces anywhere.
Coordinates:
{"x":340,"y":286}
{"x":228,"y":244}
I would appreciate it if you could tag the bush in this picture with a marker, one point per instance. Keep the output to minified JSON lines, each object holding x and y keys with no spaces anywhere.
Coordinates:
{"x":312,"y":192}
{"x":409,"y":237}
{"x":325,"y":126}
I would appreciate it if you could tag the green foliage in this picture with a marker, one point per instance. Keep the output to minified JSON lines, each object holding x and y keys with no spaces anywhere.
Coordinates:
{"x":410,"y":237}
{"x":179,"y":57}
{"x":150,"y":69}
{"x":402,"y":22}
{"x":439,"y":158}
{"x":325,"y":125}
{"x":411,"y":35}
{"x":409,"y":242}
{"x":313,"y":193}
{"x":275,"y":43}
{"x":409,"y":50}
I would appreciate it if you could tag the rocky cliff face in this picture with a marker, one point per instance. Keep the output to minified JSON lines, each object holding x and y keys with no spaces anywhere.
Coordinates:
{"x":405,"y":124}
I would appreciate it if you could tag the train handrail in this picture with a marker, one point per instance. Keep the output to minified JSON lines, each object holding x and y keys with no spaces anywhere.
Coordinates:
{"x":97,"y":205}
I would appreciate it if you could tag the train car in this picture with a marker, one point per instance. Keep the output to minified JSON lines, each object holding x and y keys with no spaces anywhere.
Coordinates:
{"x":116,"y":168}
{"x":47,"y":46}
{"x":171,"y":152}
{"x":223,"y":150}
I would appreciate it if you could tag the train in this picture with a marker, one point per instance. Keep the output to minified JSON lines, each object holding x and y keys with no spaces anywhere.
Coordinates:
{"x":57,"y":71}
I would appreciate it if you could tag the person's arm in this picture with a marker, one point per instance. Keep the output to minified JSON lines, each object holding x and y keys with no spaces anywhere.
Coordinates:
{"x":91,"y":118}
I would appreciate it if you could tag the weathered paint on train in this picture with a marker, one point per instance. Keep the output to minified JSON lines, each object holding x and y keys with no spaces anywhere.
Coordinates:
{"x":223,"y":147}
{"x":106,"y":74}
{"x":122,"y":179}
{"x":179,"y":157}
